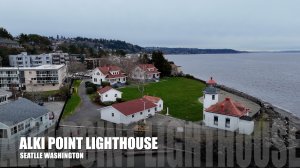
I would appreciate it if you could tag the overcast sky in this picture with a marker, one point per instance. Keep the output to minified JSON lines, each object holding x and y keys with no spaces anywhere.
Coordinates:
{"x":237,"y":24}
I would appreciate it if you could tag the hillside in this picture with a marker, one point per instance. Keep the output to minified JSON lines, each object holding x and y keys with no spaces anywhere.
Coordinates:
{"x":166,"y":50}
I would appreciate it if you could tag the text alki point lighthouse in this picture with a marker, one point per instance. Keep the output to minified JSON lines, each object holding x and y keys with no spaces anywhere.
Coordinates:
{"x":227,"y":114}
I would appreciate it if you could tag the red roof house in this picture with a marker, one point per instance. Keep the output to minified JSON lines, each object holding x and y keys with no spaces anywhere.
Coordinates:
{"x":228,"y":107}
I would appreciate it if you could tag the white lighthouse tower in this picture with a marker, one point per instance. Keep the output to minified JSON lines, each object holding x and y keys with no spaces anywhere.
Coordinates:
{"x":211,"y":96}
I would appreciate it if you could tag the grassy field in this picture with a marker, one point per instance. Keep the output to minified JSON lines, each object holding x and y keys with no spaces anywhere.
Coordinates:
{"x":179,"y":94}
{"x":74,"y":101}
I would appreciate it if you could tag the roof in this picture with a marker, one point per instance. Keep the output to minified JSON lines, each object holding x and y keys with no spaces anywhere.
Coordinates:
{"x":133,"y":106}
{"x":4,"y":92}
{"x":107,"y":69}
{"x":19,"y":110}
{"x":152,"y":99}
{"x":211,"y":81}
{"x":148,"y":68}
{"x":228,"y":107}
{"x":105,"y":89}
{"x":210,"y":90}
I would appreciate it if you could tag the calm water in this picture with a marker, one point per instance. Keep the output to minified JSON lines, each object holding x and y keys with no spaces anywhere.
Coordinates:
{"x":273,"y":77}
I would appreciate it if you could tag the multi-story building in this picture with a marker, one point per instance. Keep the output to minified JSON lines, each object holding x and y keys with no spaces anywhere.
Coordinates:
{"x":25,"y":60}
{"x":41,"y":78}
{"x":77,"y":57}
{"x":92,"y":63}
{"x":60,"y":58}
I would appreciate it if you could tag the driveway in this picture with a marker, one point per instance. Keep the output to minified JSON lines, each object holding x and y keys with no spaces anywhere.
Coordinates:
{"x":86,"y":111}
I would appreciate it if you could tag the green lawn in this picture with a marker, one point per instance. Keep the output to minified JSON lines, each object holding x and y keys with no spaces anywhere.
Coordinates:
{"x":74,"y":101}
{"x":179,"y":94}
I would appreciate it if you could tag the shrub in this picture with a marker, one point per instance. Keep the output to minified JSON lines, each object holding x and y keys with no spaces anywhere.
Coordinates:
{"x":189,"y":76}
{"x":105,"y":84}
{"x":106,"y":103}
{"x":88,"y":83}
{"x":89,"y":90}
{"x":119,"y":100}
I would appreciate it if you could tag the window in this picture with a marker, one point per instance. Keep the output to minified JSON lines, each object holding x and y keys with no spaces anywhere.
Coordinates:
{"x":20,"y":127}
{"x":3,"y":133}
{"x":112,"y":114}
{"x":116,"y":95}
{"x":95,"y":79}
{"x":41,"y":119}
{"x":13,"y":130}
{"x":149,"y":110}
{"x":155,"y":109}
{"x":213,"y":97}
{"x":227,"y":123}
{"x":215,"y":120}
{"x":132,"y":116}
{"x":141,"y":113}
{"x":106,"y":95}
{"x":27,"y":125}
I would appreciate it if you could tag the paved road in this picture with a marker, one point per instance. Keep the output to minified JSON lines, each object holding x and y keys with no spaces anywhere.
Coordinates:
{"x":86,"y":111}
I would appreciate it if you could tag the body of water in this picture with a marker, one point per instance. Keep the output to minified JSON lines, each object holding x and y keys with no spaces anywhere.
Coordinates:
{"x":272,"y":77}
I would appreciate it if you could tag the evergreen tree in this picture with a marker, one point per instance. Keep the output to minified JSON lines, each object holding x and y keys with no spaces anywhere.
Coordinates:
{"x":5,"y":34}
{"x":161,"y":63}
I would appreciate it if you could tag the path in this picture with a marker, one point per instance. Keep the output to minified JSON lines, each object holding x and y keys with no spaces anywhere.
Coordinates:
{"x":87,"y":110}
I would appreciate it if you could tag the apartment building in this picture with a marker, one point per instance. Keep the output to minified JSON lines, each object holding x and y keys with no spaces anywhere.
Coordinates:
{"x":41,"y":78}
{"x":25,"y":60}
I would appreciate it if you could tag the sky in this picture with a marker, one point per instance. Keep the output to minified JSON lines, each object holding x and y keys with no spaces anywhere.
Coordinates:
{"x":238,"y":24}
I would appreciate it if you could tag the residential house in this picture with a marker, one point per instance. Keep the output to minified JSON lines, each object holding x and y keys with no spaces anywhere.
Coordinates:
{"x":146,"y":72}
{"x":227,"y":114}
{"x":129,"y":112}
{"x":22,"y":117}
{"x":109,"y":94}
{"x":41,"y":78}
{"x":112,"y":74}
{"x":157,"y":101}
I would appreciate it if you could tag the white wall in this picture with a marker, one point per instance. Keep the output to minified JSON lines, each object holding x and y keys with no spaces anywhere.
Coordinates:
{"x":106,"y":114}
{"x":160,"y":105}
{"x":209,"y":121}
{"x":208,"y":101}
{"x":236,"y":124}
{"x":97,"y":77}
{"x":110,"y":96}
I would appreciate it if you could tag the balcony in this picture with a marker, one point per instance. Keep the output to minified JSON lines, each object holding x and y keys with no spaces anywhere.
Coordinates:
{"x":9,"y":75}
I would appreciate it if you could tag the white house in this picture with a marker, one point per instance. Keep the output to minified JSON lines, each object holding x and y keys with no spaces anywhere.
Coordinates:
{"x":227,"y":114}
{"x":22,"y":117}
{"x":145,"y":72}
{"x":129,"y":112}
{"x":157,"y":101}
{"x":112,"y":74}
{"x":109,"y":94}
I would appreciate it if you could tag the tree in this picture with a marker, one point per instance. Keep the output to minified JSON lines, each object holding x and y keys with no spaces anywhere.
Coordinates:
{"x":144,"y":59}
{"x":74,"y":67}
{"x":161,"y":63}
{"x":5,"y":34}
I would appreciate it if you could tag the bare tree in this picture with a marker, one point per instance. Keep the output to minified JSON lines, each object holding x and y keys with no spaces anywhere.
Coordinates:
{"x":74,"y":67}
